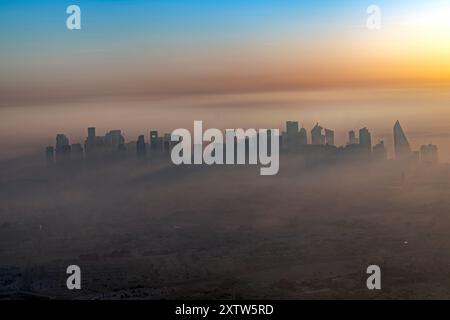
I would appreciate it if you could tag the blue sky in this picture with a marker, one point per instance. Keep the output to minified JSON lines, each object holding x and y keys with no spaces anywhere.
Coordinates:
{"x":142,"y":41}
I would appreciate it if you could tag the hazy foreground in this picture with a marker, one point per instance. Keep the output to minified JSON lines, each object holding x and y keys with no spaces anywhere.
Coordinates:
{"x":152,"y":230}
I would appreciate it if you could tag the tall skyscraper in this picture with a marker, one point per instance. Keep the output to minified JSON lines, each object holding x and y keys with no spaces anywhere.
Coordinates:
{"x":429,"y":153}
{"x":292,"y":135}
{"x":329,"y":137}
{"x":140,"y":147}
{"x":91,"y":134}
{"x":303,"y":136}
{"x":365,"y":139}
{"x":61,"y":143}
{"x":91,"y":141}
{"x":401,"y":144}
{"x":317,"y":137}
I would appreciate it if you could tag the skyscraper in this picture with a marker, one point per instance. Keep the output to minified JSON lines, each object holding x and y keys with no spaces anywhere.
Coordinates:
{"x":61,"y":143}
{"x":316,"y":135}
{"x":91,"y":141}
{"x":114,"y":139}
{"x":291,"y":127}
{"x":365,"y":140}
{"x":292,"y":134}
{"x":140,"y":147}
{"x":329,"y":137}
{"x":154,"y":140}
{"x":91,"y":134}
{"x":303,"y":136}
{"x":352,"y":138}
{"x":401,"y":144}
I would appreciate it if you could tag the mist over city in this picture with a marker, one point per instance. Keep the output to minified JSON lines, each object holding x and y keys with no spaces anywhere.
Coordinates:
{"x":208,"y":151}
{"x":144,"y":228}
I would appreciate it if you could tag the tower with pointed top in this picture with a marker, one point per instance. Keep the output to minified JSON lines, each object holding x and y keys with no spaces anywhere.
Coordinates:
{"x":401,"y":145}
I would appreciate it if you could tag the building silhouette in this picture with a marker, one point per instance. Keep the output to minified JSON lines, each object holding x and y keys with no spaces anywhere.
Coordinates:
{"x":141,"y":149}
{"x":113,"y":139}
{"x":329,"y":137}
{"x":352,"y":139}
{"x":317,"y":138}
{"x":154,"y":140}
{"x":401,"y":145}
{"x":365,"y":140}
{"x":91,"y":135}
{"x":92,"y":143}
{"x":321,"y":150}
{"x":61,"y":149}
{"x":292,"y":135}
{"x":303,"y":136}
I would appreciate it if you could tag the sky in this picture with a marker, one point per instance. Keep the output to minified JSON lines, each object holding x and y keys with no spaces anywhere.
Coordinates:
{"x":161,"y":64}
{"x":175,"y":47}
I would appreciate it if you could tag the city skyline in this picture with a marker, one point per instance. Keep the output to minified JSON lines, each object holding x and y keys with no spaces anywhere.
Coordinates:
{"x":209,"y":59}
{"x":293,"y":139}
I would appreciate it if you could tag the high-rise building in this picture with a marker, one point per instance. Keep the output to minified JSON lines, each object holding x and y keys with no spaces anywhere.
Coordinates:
{"x":154,"y":140}
{"x":91,"y":142}
{"x":352,"y":139}
{"x":329,"y":137}
{"x":303,"y":136}
{"x":401,"y":144}
{"x":292,"y":135}
{"x":167,"y":143}
{"x":61,"y":142}
{"x":317,"y":137}
{"x":114,"y":139}
{"x":283,"y":140}
{"x":379,"y":151}
{"x":365,"y":140}
{"x":91,"y":134}
{"x":140,"y":147}
{"x":292,"y":128}
{"x":429,"y":153}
